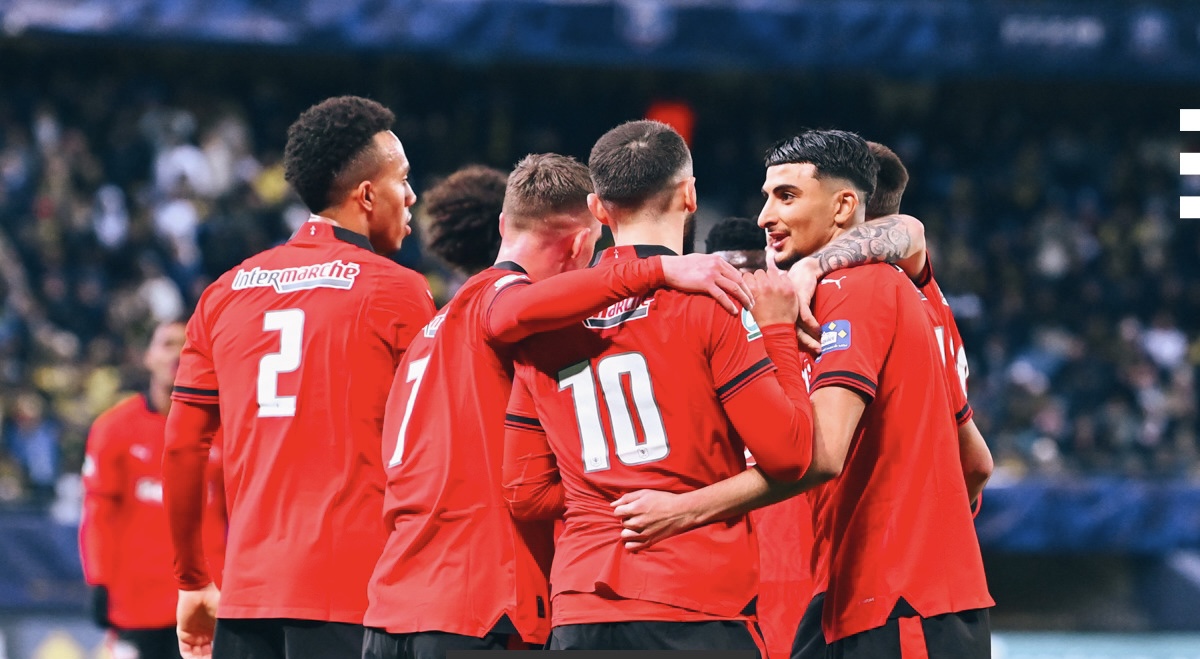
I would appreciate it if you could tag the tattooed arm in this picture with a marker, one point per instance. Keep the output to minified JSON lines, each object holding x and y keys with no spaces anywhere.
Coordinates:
{"x":898,"y":239}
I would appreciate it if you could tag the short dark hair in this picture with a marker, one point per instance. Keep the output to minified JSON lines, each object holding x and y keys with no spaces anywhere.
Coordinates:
{"x":464,"y":217}
{"x":889,"y":184}
{"x":835,"y":153}
{"x":330,"y":143}
{"x":544,"y":184}
{"x":736,"y":233}
{"x":636,"y":161}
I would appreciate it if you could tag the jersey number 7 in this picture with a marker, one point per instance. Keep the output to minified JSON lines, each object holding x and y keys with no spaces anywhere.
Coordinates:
{"x":610,"y":371}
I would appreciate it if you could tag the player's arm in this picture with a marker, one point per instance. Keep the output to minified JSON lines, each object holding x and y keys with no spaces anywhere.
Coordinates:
{"x":523,"y":309}
{"x":976,"y":460}
{"x":532,"y":483}
{"x":190,"y":428}
{"x":897,"y":239}
{"x":103,"y":478}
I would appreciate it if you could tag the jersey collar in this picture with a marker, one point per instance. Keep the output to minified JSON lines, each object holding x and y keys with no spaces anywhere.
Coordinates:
{"x":511,"y":266}
{"x":625,"y":252}
{"x":316,"y":229}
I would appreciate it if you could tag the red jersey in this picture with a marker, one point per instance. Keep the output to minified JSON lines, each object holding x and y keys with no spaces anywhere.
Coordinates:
{"x":298,"y":345}
{"x":954,"y":358}
{"x":637,"y":398}
{"x":123,"y":538}
{"x":892,"y":525}
{"x":443,"y":444}
{"x":785,"y":538}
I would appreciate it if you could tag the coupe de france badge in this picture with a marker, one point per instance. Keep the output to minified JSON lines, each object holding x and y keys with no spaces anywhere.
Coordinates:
{"x":835,"y":335}
{"x":751,"y":327}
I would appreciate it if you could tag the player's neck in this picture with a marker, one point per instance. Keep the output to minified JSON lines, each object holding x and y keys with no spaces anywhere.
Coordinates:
{"x":659,"y":232}
{"x":160,"y":397}
{"x":532,"y":255}
{"x":338,"y":218}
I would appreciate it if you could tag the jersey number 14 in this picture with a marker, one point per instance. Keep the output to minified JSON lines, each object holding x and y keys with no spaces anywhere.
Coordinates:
{"x":610,"y":372}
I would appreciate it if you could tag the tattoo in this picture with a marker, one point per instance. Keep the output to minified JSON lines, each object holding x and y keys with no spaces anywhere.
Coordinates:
{"x":885,"y":240}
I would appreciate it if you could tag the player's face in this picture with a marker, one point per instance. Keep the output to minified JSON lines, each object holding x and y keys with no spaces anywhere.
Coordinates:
{"x":391,"y":216}
{"x":162,"y":356}
{"x":799,"y":211}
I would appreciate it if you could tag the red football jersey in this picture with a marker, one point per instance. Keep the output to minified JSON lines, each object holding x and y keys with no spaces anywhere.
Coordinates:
{"x":892,"y":525}
{"x":635,"y":398}
{"x":298,"y":345}
{"x":785,"y":538}
{"x":455,"y":561}
{"x":954,"y":358}
{"x":123,"y":537}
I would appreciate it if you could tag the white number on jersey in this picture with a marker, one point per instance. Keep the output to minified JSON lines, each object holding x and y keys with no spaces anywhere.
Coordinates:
{"x":416,"y":371}
{"x":290,"y":325}
{"x":610,"y":371}
{"x":946,"y":345}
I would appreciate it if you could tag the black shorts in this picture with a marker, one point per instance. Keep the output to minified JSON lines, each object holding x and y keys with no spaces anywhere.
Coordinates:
{"x":962,"y":635}
{"x":653,"y":635}
{"x":379,"y":644}
{"x":160,"y":643}
{"x":285,"y":638}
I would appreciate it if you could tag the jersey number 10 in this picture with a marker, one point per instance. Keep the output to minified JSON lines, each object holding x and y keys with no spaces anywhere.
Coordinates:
{"x":610,"y":372}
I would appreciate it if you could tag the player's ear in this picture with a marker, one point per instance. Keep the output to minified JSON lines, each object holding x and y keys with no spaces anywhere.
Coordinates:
{"x":503,"y":225}
{"x":364,"y":195}
{"x":582,"y":240}
{"x":598,"y":210}
{"x":689,"y":194}
{"x":846,"y":205}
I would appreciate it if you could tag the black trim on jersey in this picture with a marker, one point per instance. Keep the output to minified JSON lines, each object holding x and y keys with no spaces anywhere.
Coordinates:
{"x":646,"y":251}
{"x":511,"y":266}
{"x":763,"y":363}
{"x":926,"y":274}
{"x":192,"y":391}
{"x":962,"y":414}
{"x":860,"y":383}
{"x":145,"y":394}
{"x":347,"y":236}
{"x":523,"y":421}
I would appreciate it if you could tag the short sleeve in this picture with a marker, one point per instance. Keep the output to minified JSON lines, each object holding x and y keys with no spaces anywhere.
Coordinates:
{"x":196,"y":380}
{"x":401,"y":310}
{"x":858,"y":322}
{"x":737,"y":356}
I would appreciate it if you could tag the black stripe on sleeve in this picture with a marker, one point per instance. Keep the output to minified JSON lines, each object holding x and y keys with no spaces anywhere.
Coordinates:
{"x":848,"y":379}
{"x":517,"y":422}
{"x":731,"y":387}
{"x":963,"y":414}
{"x":192,"y":391}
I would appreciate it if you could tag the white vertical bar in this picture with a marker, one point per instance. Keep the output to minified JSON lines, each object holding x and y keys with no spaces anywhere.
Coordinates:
{"x":1189,"y":208}
{"x":1189,"y":120}
{"x":1189,"y":164}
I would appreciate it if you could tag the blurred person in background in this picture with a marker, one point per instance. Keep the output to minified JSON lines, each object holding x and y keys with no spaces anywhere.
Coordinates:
{"x":124,"y":539}
{"x":740,"y":242}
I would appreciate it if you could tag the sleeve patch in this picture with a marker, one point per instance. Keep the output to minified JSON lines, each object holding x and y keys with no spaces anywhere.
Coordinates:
{"x":751,"y":326}
{"x":835,"y":335}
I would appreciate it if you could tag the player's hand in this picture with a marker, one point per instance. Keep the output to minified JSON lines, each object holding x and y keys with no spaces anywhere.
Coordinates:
{"x":708,"y":274}
{"x":805,"y":274}
{"x":196,"y":620}
{"x":650,"y":516}
{"x":775,"y":299}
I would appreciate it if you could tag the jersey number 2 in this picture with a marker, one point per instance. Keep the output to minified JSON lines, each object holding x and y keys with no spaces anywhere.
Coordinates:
{"x":290,"y":325}
{"x":611,"y":371}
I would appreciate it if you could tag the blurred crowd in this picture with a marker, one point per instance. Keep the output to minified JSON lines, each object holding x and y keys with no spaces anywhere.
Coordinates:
{"x":129,"y":181}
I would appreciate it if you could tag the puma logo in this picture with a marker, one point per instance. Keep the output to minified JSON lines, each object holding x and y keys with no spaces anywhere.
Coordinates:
{"x":837,"y":281}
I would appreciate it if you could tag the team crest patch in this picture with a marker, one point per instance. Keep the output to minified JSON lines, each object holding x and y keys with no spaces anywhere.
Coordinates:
{"x":835,"y":335}
{"x":748,"y":322}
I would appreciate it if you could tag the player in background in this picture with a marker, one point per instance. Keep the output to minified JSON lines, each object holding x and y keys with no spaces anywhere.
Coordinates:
{"x":660,"y":390}
{"x":740,"y":242}
{"x":457,"y":572}
{"x":124,"y":540}
{"x":293,"y":353}
{"x":462,"y":211}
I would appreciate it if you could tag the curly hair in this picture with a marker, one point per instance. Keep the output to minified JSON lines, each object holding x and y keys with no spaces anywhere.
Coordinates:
{"x":463,"y":212}
{"x":736,"y":234}
{"x":330,"y":143}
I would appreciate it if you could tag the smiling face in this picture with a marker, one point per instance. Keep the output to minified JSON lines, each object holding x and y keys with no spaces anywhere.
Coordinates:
{"x":801,"y":211}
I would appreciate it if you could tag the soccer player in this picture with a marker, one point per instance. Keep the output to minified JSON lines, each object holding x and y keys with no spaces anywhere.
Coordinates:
{"x":740,"y":242}
{"x":124,"y":540}
{"x":457,"y":572}
{"x":660,"y":390}
{"x":293,"y":352}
